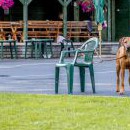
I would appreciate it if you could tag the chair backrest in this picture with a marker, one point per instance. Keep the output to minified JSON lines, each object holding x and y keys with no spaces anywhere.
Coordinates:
{"x":89,"y":47}
{"x":90,"y":44}
{"x":67,"y":42}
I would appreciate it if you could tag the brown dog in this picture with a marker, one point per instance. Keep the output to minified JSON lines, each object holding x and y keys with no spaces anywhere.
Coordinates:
{"x":122,"y":62}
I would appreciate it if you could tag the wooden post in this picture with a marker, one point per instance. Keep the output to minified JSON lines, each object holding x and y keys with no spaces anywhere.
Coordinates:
{"x":64,"y":3}
{"x":25,"y":17}
{"x":100,"y":38}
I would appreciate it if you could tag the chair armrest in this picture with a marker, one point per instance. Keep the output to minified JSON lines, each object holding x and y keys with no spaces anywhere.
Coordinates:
{"x":64,"y":53}
{"x":86,"y":53}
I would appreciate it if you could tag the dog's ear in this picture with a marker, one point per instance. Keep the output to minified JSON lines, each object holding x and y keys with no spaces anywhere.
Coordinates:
{"x":121,"y":40}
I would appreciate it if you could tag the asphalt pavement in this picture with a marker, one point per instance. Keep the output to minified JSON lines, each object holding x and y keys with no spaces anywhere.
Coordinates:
{"x":38,"y":77}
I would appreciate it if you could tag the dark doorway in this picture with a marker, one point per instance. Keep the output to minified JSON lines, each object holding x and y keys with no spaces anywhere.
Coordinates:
{"x":44,"y":10}
{"x":122,"y":18}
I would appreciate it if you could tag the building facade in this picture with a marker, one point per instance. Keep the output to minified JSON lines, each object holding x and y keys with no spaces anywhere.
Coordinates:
{"x":117,"y":16}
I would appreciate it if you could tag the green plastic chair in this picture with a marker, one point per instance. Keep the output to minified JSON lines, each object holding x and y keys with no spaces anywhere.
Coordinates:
{"x":83,"y":58}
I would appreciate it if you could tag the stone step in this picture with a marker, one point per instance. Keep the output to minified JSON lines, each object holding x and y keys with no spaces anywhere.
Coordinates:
{"x":106,"y":49}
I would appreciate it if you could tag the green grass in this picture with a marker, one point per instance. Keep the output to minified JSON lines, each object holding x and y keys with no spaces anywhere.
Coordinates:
{"x":63,"y":112}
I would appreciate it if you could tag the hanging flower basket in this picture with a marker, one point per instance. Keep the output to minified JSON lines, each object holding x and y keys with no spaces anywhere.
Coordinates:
{"x":86,"y":5}
{"x":6,"y":4}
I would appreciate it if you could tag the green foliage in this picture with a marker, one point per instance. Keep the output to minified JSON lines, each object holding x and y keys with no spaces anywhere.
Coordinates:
{"x":63,"y":112}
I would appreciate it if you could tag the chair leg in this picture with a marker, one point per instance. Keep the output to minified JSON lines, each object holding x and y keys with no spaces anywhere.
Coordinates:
{"x":62,"y":47}
{"x":68,"y":50}
{"x":82,"y":78}
{"x":57,"y":70}
{"x":70,"y":73}
{"x":92,"y":77}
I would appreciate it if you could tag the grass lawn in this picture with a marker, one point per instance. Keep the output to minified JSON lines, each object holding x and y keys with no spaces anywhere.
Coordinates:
{"x":63,"y":112}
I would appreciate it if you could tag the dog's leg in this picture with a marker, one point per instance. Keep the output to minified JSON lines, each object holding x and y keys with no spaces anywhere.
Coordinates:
{"x":129,"y":78}
{"x":118,"y":71}
{"x":122,"y":79}
{"x":118,"y":76}
{"x":120,"y":68}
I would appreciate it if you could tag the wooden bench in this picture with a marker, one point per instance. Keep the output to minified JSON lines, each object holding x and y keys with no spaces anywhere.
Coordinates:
{"x":80,"y":29}
{"x":44,"y":29}
{"x":51,"y":29}
{"x":47,"y":29}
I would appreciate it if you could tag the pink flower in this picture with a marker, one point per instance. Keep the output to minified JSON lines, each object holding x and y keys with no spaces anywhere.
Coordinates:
{"x":86,"y":5}
{"x":6,"y":4}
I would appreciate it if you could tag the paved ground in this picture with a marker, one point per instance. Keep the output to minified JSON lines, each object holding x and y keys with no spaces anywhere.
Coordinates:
{"x":37,"y":76}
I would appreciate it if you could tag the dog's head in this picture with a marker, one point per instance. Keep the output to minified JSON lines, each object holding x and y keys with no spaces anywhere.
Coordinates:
{"x":125,"y":41}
